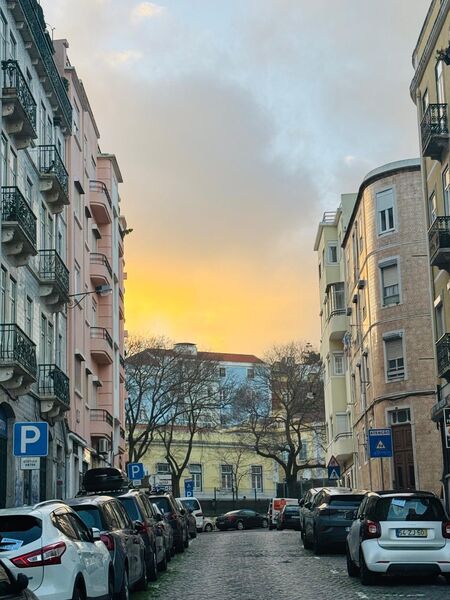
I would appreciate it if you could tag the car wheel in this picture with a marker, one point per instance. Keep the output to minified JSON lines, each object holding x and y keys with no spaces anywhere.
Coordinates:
{"x":240,"y":525}
{"x":316,"y":545}
{"x":142,"y":584}
{"x":124,"y":592}
{"x":352,"y":569}
{"x":208,"y":527}
{"x":186,"y":540}
{"x":264,"y":524}
{"x":152,"y":567}
{"x":306,"y":543}
{"x":78,"y":592}
{"x":367,"y":576}
{"x":193,"y":534}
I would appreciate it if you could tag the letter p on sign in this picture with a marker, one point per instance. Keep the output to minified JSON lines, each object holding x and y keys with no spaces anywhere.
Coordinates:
{"x":30,"y":439}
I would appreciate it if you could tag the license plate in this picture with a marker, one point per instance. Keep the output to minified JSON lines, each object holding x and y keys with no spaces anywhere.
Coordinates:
{"x":422,"y":533}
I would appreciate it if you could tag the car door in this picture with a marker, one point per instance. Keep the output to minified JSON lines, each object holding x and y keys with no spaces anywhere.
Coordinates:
{"x":309,"y":514}
{"x":354,"y":535}
{"x":133,"y":543}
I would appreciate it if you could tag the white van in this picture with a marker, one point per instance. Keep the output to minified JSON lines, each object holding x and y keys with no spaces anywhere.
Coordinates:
{"x":193,"y":504}
{"x":275,"y":507}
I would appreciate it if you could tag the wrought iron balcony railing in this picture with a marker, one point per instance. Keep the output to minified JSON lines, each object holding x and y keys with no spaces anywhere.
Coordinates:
{"x":100,"y":414}
{"x":439,"y":241}
{"x":443,"y":356}
{"x":53,"y":382}
{"x":13,"y":79}
{"x":434,"y":129}
{"x":100,"y":187}
{"x":16,"y":347}
{"x":16,"y":209}
{"x":100,"y":259}
{"x":101,"y":333}
{"x":51,"y":163}
{"x":52,"y":270}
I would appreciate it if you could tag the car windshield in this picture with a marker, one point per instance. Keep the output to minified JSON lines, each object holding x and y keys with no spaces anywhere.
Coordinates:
{"x":409,"y":509}
{"x":132,"y":510}
{"x":90,"y":515}
{"x":18,"y":531}
{"x":347,"y":501}
{"x":163,"y":504}
{"x":191,"y":504}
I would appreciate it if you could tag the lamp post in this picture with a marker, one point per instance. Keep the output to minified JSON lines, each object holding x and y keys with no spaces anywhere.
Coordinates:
{"x":101,"y":290}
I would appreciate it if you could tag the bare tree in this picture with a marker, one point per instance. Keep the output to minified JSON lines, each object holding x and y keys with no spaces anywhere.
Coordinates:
{"x":284,"y":408}
{"x":236,"y":456}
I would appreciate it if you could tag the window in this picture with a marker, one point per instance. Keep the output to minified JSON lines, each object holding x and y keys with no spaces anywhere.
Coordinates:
{"x":393,"y":347}
{"x":226,"y":477}
{"x":12,"y":300}
{"x":440,"y":90}
{"x":256,"y":473}
{"x":440,"y":324}
{"x":12,"y":47}
{"x":446,"y":190}
{"x":78,"y":372}
{"x":12,"y":167}
{"x":222,"y":372}
{"x":432,"y":209}
{"x":341,"y":425}
{"x":425,"y":102}
{"x":385,"y":211}
{"x":196,"y":474}
{"x":250,"y":373}
{"x":77,"y":279}
{"x":162,"y":468}
{"x":3,"y":36}
{"x":400,"y":416}
{"x":29,"y":191}
{"x":3,"y":276}
{"x":336,"y":299}
{"x":303,"y":452}
{"x":29,"y":316}
{"x":338,"y":363}
{"x":77,"y":202}
{"x":389,"y":283}
{"x":42,"y":338}
{"x":332,"y":253}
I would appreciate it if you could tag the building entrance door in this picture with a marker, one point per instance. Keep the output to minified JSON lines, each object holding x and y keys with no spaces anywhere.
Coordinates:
{"x":404,"y":476}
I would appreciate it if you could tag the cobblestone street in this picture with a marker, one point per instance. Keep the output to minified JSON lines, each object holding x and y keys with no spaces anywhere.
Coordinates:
{"x":270,"y":565}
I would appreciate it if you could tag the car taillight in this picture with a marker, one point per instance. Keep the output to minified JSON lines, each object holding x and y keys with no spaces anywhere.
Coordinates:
{"x":108,"y":540}
{"x":48,"y":555}
{"x":446,"y":529}
{"x":371,"y":530}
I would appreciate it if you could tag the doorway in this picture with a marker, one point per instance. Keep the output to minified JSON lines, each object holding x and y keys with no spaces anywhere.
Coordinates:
{"x":404,"y":473}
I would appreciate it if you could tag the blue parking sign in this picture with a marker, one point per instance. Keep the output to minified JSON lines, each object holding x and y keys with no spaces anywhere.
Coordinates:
{"x":30,"y":439}
{"x":135,"y":471}
{"x":188,"y":488}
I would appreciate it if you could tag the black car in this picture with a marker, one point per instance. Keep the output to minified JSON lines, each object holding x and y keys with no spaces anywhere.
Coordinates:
{"x":305,"y":503}
{"x":289,"y":518}
{"x":12,"y":588}
{"x":166,"y":530}
{"x":241,"y":519}
{"x":186,"y":512}
{"x":328,"y":519}
{"x":176,"y":517}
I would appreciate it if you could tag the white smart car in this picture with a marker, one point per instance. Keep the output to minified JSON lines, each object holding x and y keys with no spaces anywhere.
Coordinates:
{"x":63,"y":559}
{"x":399,"y":533}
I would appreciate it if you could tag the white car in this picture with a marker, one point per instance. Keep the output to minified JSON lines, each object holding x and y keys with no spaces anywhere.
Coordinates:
{"x":62,"y":558}
{"x":208,"y":524}
{"x":399,"y":534}
{"x":192,"y":504}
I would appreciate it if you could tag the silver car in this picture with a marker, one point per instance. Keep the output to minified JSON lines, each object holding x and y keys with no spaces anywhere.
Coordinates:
{"x":399,"y":533}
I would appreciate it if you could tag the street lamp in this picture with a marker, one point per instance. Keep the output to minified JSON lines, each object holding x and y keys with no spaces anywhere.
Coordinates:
{"x":101,"y":290}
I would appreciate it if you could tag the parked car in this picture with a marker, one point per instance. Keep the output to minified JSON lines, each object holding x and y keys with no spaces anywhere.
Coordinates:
{"x":50,"y":545}
{"x":208,"y":524}
{"x":305,"y":503}
{"x":275,"y":507}
{"x":241,"y":519}
{"x":166,"y":529}
{"x":14,"y":588}
{"x":399,"y":533}
{"x":289,"y":518}
{"x":168,"y":506}
{"x":193,"y":504}
{"x":328,"y":520}
{"x":120,"y":537}
{"x":191,"y":521}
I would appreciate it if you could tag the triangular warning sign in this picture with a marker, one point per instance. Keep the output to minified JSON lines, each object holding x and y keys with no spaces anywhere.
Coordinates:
{"x":381,"y":446}
{"x":334,"y":474}
{"x":333,"y":462}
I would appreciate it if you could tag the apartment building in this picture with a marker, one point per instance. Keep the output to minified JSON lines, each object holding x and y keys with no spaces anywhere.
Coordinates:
{"x":334,"y":325}
{"x":388,"y":346}
{"x":430,"y":91}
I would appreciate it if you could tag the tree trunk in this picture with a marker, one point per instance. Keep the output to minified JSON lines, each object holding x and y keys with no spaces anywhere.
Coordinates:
{"x":176,"y":485}
{"x":291,"y":486}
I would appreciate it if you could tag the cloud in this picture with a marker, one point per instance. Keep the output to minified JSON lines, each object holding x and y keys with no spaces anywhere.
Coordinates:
{"x":117,"y":59}
{"x":146,"y":10}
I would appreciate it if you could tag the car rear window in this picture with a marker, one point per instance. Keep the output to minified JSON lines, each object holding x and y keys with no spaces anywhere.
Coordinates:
{"x":409,"y":509}
{"x":90,"y":515}
{"x":18,"y":531}
{"x":292,"y":509}
{"x":191,"y":504}
{"x":347,"y":501}
{"x":131,"y":508}
{"x":163,"y":504}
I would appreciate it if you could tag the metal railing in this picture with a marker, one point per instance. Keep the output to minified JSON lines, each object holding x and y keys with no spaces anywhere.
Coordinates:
{"x":101,"y":414}
{"x":16,"y":209}
{"x":13,"y":78}
{"x":53,"y":382}
{"x":53,"y":270}
{"x":43,"y":43}
{"x":100,"y":259}
{"x":439,"y":235}
{"x":100,"y":333}
{"x":100,"y":187}
{"x":16,"y":347}
{"x":434,"y":122}
{"x":443,"y":355}
{"x":51,"y":163}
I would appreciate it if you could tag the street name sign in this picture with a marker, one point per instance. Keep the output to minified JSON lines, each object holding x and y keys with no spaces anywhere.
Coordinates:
{"x":380,"y":442}
{"x":30,"y":463}
{"x":334,"y":468}
{"x":30,"y":439}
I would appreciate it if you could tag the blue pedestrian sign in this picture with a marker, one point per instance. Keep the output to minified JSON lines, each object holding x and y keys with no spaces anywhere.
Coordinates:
{"x":334,"y":469}
{"x":188,"y":488}
{"x":30,"y":439}
{"x":380,"y":443}
{"x":135,"y":471}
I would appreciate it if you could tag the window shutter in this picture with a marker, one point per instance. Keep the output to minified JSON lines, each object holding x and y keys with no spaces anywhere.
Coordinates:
{"x":390,"y":275}
{"x":385,"y":200}
{"x":394,"y":349}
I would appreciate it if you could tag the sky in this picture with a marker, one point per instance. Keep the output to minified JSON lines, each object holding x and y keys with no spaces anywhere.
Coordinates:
{"x":236,"y":125}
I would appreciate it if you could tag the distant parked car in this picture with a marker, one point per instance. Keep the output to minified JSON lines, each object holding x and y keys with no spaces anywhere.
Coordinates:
{"x":399,"y":533}
{"x":208,"y":524}
{"x":50,"y":545}
{"x":166,"y":530}
{"x":275,"y":507}
{"x":193,"y":504}
{"x":328,"y":520}
{"x":167,"y":505}
{"x":305,"y":503}
{"x":241,"y":519}
{"x":13,"y":588}
{"x":289,"y":518}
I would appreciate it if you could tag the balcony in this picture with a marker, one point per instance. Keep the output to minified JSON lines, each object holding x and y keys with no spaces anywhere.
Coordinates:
{"x":54,"y":279}
{"x":17,"y":360}
{"x":30,"y":22}
{"x":53,"y":389}
{"x":101,"y":423}
{"x":54,"y":179}
{"x":18,"y":227}
{"x":443,"y":356}
{"x":18,"y":105}
{"x":343,"y":446}
{"x":434,"y":131}
{"x":100,"y":202}
{"x":101,"y":272}
{"x":101,"y":346}
{"x":439,"y":242}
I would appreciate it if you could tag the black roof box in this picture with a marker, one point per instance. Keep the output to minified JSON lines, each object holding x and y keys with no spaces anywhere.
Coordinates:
{"x":104,"y":479}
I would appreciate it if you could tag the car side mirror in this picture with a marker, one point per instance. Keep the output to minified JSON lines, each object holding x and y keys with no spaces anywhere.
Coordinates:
{"x":138,"y":526}
{"x":95,"y":533}
{"x":182,"y":512}
{"x":159,"y":517}
{"x":21,"y":583}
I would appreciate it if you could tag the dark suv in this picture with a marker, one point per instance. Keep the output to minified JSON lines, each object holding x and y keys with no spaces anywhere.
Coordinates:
{"x":327,"y":519}
{"x":176,"y":517}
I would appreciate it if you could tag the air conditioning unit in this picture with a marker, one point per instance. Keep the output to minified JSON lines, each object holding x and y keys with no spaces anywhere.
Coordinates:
{"x":348,"y":312}
{"x":103,"y":446}
{"x":355,"y":299}
{"x":361,"y":284}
